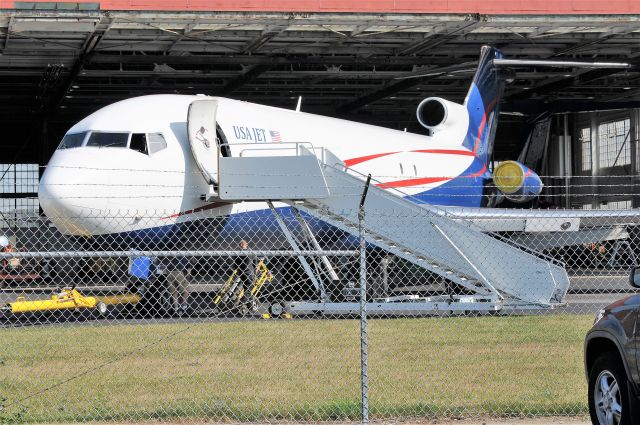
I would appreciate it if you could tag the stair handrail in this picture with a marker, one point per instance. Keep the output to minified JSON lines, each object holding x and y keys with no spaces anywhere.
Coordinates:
{"x":441,"y":212}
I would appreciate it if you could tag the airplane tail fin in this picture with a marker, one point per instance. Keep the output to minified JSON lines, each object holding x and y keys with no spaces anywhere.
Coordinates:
{"x":482,"y":103}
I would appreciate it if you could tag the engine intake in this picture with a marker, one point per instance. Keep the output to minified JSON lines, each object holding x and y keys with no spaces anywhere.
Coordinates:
{"x":431,"y":112}
{"x":517,"y":182}
{"x":437,"y":113}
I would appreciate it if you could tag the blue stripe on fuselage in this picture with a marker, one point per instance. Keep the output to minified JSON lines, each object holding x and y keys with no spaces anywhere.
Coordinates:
{"x":463,"y":191}
{"x":260,"y":227}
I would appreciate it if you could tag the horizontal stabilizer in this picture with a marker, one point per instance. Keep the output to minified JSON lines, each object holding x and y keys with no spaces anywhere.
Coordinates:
{"x":560,"y":64}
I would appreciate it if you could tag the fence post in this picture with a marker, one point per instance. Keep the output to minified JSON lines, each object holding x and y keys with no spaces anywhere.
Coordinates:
{"x":364,"y":342}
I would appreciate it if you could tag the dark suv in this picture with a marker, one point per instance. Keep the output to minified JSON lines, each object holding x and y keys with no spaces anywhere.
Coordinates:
{"x":612,"y":361}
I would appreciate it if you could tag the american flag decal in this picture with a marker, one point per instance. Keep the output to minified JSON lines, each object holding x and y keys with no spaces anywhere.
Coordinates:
{"x":275,"y":136}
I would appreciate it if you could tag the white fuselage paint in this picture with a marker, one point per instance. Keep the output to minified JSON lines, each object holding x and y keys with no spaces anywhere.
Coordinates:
{"x":102,"y":190}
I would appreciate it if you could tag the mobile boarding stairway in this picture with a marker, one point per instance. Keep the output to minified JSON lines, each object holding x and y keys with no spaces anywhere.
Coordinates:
{"x":495,"y":273}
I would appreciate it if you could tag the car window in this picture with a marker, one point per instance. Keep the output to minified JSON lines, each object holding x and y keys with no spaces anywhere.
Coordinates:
{"x":72,"y":140}
{"x":156,"y":142}
{"x":111,"y":140}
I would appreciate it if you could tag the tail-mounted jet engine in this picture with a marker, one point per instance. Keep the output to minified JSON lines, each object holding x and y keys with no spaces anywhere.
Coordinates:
{"x":437,"y":114}
{"x":517,"y":182}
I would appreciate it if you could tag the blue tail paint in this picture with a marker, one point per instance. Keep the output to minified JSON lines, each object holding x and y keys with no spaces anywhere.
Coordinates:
{"x":482,"y":104}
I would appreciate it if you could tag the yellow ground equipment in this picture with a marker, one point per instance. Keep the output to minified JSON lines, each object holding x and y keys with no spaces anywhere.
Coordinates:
{"x":70,"y":299}
{"x":66,"y":299}
{"x":228,"y":291}
{"x":264,"y":275}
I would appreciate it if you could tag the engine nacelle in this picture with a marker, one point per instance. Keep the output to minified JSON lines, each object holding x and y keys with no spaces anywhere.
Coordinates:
{"x":439,"y":114}
{"x":517,"y":182}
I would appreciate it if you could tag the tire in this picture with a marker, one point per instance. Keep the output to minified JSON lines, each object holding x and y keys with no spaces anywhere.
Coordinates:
{"x":102,"y":309}
{"x":276,"y":309}
{"x":608,"y":392}
{"x":5,"y":314}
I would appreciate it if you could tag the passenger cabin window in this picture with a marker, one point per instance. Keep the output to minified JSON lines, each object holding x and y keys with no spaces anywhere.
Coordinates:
{"x":108,"y":140}
{"x":139,"y":143}
{"x":73,"y":140}
{"x":156,"y":142}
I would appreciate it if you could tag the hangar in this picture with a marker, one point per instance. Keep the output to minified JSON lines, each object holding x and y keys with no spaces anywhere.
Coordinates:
{"x":60,"y":61}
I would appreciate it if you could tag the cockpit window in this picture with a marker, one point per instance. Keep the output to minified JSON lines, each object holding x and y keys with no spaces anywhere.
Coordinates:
{"x":147,"y":143}
{"x":111,"y":140}
{"x":156,"y":142}
{"x":73,"y":140}
{"x":139,"y":142}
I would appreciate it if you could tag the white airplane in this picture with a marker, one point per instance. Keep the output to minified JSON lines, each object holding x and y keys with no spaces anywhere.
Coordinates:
{"x":129,"y":167}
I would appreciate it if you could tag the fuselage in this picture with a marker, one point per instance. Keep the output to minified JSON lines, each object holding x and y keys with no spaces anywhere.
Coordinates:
{"x":129,"y":166}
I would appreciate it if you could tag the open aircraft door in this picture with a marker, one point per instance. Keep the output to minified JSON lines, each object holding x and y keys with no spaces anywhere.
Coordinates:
{"x":201,"y":126}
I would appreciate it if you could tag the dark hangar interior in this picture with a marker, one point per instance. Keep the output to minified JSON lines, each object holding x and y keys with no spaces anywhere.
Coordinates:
{"x":60,"y":62}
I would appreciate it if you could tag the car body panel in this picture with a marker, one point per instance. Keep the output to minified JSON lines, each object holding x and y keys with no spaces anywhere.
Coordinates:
{"x":618,"y":325}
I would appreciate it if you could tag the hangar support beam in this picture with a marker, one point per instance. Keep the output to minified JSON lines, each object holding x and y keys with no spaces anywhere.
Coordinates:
{"x":91,"y":43}
{"x":8,"y":33}
{"x":564,"y":83}
{"x":185,"y":34}
{"x":245,"y":59}
{"x":435,"y":39}
{"x":398,"y":86}
{"x":474,"y":21}
{"x":253,"y":73}
{"x":388,"y":90}
{"x":614,"y":32}
{"x":264,"y":38}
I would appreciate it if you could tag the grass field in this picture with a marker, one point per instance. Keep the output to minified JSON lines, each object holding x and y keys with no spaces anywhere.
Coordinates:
{"x":297,"y":370}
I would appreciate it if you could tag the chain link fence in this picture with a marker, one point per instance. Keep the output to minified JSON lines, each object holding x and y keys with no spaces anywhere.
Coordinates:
{"x":254,"y":314}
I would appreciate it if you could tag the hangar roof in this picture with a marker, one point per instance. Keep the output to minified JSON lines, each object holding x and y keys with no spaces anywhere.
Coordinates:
{"x":63,"y":64}
{"x":499,"y":7}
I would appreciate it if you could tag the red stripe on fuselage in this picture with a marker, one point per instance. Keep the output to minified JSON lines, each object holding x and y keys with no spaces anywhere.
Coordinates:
{"x":416,"y":181}
{"x":359,"y":160}
{"x":196,"y":210}
{"x":479,"y":173}
{"x":353,"y":161}
{"x":412,"y":182}
{"x":427,"y":180}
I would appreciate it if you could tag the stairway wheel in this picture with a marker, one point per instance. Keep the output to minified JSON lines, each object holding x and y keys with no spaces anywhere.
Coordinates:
{"x":276,"y":309}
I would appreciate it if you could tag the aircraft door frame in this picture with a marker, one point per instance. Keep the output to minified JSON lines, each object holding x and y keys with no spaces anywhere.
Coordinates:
{"x":202,"y":130}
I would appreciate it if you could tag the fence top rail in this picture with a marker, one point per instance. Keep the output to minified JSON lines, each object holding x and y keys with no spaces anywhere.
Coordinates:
{"x":176,"y":253}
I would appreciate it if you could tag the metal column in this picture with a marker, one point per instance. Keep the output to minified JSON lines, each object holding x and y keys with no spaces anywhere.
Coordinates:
{"x":364,"y":338}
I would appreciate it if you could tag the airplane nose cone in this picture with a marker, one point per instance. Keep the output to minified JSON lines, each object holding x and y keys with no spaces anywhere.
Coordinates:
{"x":49,"y":195}
{"x":70,"y":203}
